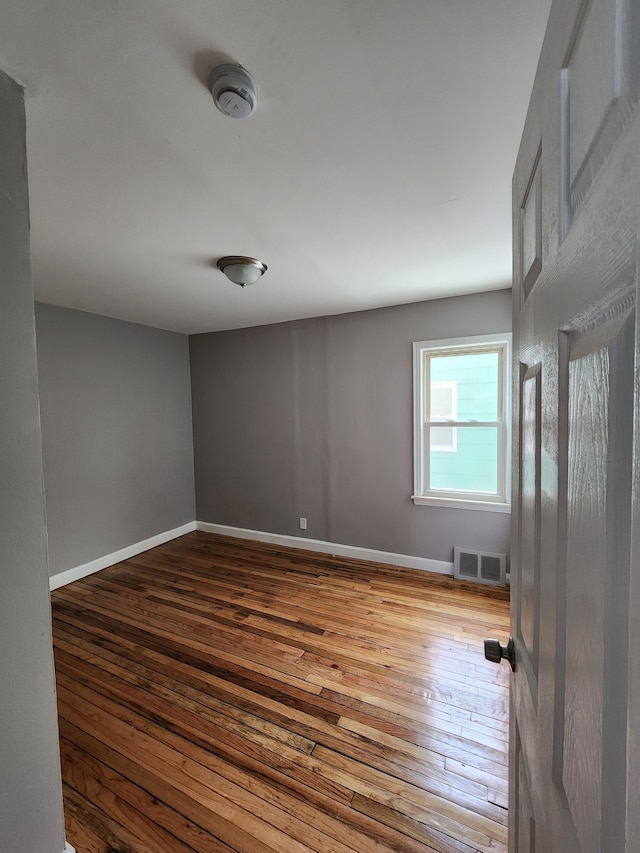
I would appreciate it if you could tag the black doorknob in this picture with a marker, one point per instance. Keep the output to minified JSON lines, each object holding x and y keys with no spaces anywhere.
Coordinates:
{"x":494,"y":652}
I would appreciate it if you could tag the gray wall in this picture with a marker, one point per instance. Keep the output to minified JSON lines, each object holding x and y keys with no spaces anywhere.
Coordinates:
{"x":30,"y":787}
{"x":314,"y":418}
{"x":116,"y":432}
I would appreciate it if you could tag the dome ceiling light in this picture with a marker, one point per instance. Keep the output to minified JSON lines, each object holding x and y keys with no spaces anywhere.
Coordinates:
{"x":241,"y":270}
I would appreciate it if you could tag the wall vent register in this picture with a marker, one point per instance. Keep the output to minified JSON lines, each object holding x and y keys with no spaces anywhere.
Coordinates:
{"x":480,"y":566}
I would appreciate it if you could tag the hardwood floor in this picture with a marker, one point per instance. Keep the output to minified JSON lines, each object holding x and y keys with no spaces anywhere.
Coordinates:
{"x":217,"y":694}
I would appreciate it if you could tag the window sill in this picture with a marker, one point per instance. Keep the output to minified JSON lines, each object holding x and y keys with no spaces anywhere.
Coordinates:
{"x":460,"y":503}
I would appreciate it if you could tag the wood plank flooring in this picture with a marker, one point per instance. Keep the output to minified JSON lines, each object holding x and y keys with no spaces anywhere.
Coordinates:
{"x":222,"y":695}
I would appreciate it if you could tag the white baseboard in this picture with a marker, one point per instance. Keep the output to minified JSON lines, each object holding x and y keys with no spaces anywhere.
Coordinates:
{"x":68,"y":848}
{"x":69,"y":575}
{"x":406,"y":561}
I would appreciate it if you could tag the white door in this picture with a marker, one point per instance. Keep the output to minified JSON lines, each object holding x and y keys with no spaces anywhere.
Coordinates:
{"x":575,"y":713}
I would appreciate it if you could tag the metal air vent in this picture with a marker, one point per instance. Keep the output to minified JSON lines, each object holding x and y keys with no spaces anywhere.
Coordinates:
{"x":480,"y":566}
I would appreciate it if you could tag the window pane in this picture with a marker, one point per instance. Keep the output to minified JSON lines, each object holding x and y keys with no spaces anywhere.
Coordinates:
{"x":471,"y":467}
{"x":442,"y":401}
{"x":475,"y":377}
{"x":444,"y":439}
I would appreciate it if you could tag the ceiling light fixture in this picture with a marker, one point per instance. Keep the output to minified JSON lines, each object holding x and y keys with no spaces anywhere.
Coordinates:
{"x":241,"y":270}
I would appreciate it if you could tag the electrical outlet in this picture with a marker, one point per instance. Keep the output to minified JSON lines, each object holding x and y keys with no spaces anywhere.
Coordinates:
{"x":303,"y":523}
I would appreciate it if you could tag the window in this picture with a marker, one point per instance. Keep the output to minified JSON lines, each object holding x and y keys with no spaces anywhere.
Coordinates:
{"x":461,"y":421}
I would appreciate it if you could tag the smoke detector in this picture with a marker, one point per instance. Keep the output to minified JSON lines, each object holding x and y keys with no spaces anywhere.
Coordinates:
{"x":234,"y":90}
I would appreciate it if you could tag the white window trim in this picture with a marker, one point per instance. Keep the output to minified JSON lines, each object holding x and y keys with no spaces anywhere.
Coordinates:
{"x":422,"y":496}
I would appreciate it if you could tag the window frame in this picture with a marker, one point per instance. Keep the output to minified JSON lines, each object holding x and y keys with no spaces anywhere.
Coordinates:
{"x":422,"y":495}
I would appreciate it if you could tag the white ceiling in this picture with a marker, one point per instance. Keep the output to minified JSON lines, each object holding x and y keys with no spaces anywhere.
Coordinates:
{"x":375,"y":171}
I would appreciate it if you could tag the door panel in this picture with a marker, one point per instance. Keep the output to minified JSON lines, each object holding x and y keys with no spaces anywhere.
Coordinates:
{"x":526,"y":838}
{"x":599,"y":89}
{"x":597,"y":363}
{"x":593,"y":79}
{"x":585,"y":578}
{"x":529,"y":562}
{"x":531,"y":229}
{"x":575,"y":695}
